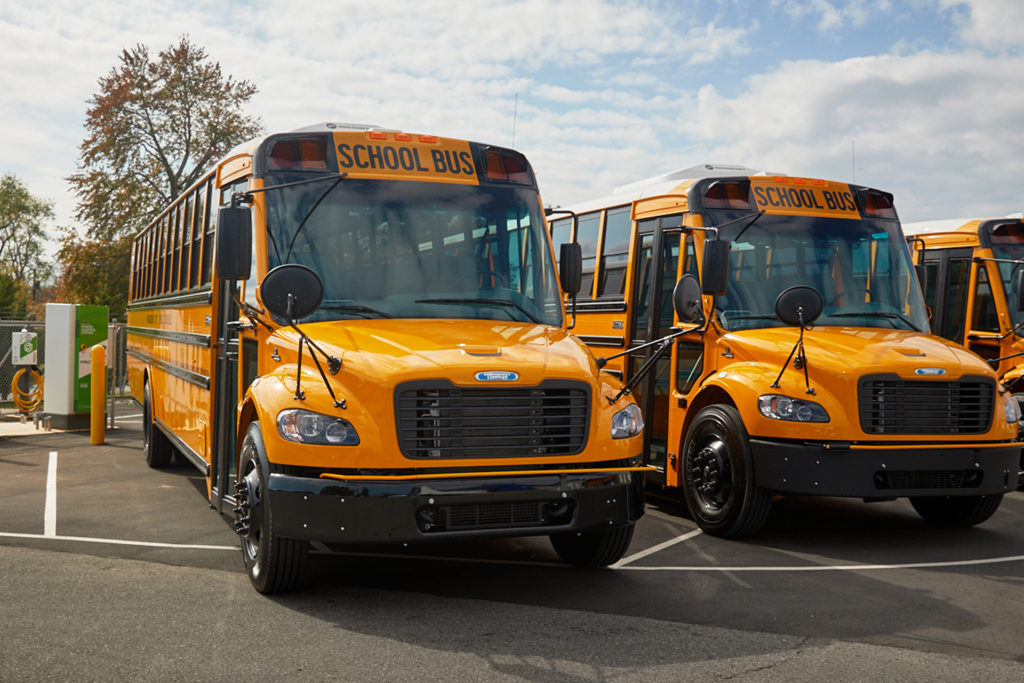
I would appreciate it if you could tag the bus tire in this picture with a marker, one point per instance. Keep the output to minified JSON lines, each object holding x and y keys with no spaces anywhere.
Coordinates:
{"x":155,"y":445}
{"x":956,"y":511}
{"x":274,"y":564}
{"x":590,"y":549}
{"x":718,"y":476}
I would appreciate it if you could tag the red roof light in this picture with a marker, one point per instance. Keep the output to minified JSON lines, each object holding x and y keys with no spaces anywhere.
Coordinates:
{"x":727,"y":194}
{"x":309,"y":154}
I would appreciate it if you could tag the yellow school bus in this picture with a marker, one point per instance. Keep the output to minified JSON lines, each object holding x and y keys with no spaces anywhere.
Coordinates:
{"x":772,"y":329}
{"x":358,"y":335}
{"x":972,"y":271}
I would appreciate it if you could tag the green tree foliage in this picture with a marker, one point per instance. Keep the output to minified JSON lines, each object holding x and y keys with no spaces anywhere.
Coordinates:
{"x":153,"y":129}
{"x":22,"y":262}
{"x":95,"y":271}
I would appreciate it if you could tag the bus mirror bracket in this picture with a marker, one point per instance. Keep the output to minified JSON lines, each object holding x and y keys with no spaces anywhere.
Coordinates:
{"x":292,"y":291}
{"x":234,"y":242}
{"x":799,"y":306}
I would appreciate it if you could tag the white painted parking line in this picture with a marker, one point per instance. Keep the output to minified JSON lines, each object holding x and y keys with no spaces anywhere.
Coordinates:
{"x":119,"y":541}
{"x":653,"y":549}
{"x":834,"y":567}
{"x":50,"y":506}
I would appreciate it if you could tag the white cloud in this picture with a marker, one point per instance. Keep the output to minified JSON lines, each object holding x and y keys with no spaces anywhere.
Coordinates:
{"x":988,"y":23}
{"x":932,"y":128}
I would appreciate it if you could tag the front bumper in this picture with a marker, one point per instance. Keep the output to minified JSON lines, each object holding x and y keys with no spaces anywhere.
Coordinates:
{"x":385,"y":510}
{"x":884,"y":472}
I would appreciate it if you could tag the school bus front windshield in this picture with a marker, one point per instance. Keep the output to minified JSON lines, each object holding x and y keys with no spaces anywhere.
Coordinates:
{"x":402,"y":249}
{"x":861,"y":268}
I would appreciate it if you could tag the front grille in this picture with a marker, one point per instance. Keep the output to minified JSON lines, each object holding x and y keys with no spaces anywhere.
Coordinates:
{"x":437,"y":419}
{"x":889,"y":405}
{"x":937,"y":479}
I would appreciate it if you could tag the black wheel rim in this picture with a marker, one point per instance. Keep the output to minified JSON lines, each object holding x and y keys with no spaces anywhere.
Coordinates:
{"x":711,"y":474}
{"x":252,"y":537}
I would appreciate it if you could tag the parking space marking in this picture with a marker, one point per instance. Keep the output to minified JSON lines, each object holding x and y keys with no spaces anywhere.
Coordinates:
{"x":50,"y":504}
{"x":653,"y":549}
{"x":119,"y":541}
{"x":834,"y":567}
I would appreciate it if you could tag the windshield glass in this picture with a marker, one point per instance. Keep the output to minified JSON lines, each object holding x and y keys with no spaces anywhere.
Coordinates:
{"x":862,"y":269}
{"x":416,"y":249}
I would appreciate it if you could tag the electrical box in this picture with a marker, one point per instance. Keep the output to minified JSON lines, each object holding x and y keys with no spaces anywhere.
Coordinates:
{"x":71,"y":332}
{"x":24,"y":348}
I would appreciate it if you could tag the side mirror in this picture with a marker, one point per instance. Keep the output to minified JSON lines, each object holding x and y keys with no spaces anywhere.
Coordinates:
{"x":234,"y":243}
{"x":570,"y":267}
{"x":292,"y":291}
{"x":799,"y":306}
{"x":686,"y":299}
{"x":1020,"y":289}
{"x":715,"y":267}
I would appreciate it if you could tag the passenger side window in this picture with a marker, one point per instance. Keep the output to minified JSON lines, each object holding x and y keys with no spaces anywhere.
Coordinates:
{"x":587,"y":232}
{"x":615,"y":253}
{"x":985,"y":317}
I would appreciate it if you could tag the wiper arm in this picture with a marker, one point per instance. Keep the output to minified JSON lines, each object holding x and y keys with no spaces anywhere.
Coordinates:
{"x":875,"y":314}
{"x":481,"y":300}
{"x":246,"y":197}
{"x":357,"y":308}
{"x":309,"y":213}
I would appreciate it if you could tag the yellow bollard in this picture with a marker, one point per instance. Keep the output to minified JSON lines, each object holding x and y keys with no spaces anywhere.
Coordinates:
{"x":97,"y":394}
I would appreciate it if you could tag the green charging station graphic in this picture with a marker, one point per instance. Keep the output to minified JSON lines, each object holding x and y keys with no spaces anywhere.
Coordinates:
{"x":90,"y":329}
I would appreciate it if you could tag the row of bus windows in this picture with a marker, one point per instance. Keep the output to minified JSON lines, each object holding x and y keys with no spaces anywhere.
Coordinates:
{"x":175,"y":253}
{"x":604,"y":239}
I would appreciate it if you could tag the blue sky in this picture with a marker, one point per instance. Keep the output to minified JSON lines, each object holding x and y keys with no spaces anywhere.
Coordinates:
{"x":923,"y":98}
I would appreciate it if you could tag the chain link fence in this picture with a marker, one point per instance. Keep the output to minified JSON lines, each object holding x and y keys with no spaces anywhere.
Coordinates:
{"x":117,"y":370}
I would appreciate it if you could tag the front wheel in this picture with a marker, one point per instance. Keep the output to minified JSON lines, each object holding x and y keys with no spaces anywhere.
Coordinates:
{"x":718,"y":476}
{"x":956,"y":511}
{"x":589,"y":549}
{"x":274,"y":564}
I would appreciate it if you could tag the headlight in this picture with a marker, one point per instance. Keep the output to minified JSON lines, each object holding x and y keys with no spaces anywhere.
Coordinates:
{"x":305,"y":426}
{"x":1012,"y":410}
{"x":627,"y":422}
{"x":792,"y":409}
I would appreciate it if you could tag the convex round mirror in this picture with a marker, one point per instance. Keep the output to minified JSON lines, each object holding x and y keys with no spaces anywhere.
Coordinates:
{"x":686,"y":299}
{"x":292,"y":291}
{"x":799,"y":305}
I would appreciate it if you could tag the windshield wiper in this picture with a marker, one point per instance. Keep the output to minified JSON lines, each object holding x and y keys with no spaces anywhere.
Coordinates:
{"x":357,"y":308}
{"x":875,"y":314}
{"x":481,"y":300}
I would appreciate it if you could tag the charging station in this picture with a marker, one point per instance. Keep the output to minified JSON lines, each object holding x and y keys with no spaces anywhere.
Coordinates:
{"x":71,"y":331}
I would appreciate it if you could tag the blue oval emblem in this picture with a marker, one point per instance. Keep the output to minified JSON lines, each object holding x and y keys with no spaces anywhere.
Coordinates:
{"x":496,"y":376}
{"x":929,"y":371}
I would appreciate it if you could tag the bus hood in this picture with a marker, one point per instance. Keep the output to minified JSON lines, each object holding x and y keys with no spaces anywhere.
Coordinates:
{"x":466,"y":352}
{"x":856,"y":351}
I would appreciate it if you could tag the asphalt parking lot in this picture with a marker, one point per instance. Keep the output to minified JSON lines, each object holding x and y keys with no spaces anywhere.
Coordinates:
{"x":111,"y":569}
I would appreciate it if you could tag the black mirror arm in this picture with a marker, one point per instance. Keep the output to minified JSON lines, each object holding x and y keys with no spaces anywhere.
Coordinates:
{"x":800,"y":361}
{"x":333,"y":365}
{"x":250,"y":312}
{"x":601,"y":362}
{"x":665,"y":343}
